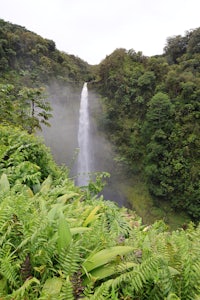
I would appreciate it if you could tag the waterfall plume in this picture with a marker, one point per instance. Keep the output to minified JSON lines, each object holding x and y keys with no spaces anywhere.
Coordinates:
{"x":83,"y":139}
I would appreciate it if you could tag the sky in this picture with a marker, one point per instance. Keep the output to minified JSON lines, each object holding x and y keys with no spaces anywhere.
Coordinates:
{"x":92,"y":29}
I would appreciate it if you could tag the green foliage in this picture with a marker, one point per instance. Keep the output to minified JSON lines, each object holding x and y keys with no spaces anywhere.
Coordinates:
{"x":23,"y":158}
{"x":151,"y":113}
{"x":60,"y":242}
{"x":64,"y":234}
{"x":176,"y":47}
{"x":31,"y":109}
{"x":156,"y":132}
{"x":7,"y":114}
{"x":25,"y":108}
{"x":35,"y":58}
{"x":97,"y":183}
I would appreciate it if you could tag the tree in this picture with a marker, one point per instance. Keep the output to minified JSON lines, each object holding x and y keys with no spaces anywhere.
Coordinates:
{"x":26,"y":108}
{"x":6,"y":104}
{"x":33,"y":110}
{"x":159,"y":113}
{"x":156,"y":132}
{"x":176,"y":47}
{"x":194,"y":42}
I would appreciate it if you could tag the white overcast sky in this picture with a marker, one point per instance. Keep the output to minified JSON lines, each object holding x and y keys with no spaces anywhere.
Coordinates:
{"x":92,"y":29}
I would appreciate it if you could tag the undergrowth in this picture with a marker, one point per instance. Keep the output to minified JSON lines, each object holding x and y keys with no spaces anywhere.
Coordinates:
{"x":58,"y":241}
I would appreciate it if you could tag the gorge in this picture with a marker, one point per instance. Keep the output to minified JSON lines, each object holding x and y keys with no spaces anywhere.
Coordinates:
{"x":72,"y":120}
{"x":136,"y":119}
{"x":63,"y":138}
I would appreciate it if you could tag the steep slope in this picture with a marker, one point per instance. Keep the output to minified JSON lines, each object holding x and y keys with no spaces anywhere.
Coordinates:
{"x":28,"y":55}
{"x":152,"y":112}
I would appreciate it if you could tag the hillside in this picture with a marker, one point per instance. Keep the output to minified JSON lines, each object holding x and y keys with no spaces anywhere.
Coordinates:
{"x":32,"y":60}
{"x":152,"y":115}
{"x":29,"y":64}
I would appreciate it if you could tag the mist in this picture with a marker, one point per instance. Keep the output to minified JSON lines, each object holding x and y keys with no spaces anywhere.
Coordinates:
{"x":62,"y":137}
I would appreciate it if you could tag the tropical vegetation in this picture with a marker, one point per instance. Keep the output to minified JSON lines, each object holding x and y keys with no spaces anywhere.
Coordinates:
{"x":60,"y":241}
{"x":152,"y":114}
{"x":30,"y":59}
{"x":29,"y":64}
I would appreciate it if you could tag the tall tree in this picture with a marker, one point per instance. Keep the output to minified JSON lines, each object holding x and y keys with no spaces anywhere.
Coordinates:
{"x":6,"y":103}
{"x":156,"y":132}
{"x":27,"y":108}
{"x":32,"y":108}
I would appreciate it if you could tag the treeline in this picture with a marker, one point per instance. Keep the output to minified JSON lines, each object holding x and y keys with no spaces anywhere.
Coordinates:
{"x":152,"y":114}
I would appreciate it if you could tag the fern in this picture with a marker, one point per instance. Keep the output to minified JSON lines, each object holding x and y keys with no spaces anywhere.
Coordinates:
{"x":102,"y":292}
{"x":68,"y":265}
{"x":8,"y":267}
{"x":136,"y":279}
{"x":67,"y":291}
{"x":161,"y":265}
{"x":25,"y":290}
{"x":190,"y":285}
{"x":117,"y":223}
{"x":173,"y":296}
{"x":186,"y":261}
{"x":162,"y":286}
{"x":69,"y":260}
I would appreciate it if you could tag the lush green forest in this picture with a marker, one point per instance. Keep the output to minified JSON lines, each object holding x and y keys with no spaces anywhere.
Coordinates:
{"x":60,"y":241}
{"x":28,"y":64}
{"x":152,"y":114}
{"x":29,"y":59}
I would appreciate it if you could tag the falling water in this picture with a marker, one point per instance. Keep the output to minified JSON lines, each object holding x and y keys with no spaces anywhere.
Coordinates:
{"x":83,"y":139}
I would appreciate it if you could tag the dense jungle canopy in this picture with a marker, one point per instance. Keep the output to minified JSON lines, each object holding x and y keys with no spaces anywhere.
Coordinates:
{"x":152,"y":114}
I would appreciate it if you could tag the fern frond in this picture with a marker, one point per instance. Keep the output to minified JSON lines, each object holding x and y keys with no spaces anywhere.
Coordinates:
{"x":138,"y":277}
{"x":172,"y":296}
{"x":5,"y":213}
{"x":102,"y":292}
{"x":164,"y":284}
{"x":8,"y":267}
{"x":23,"y":291}
{"x":69,"y":260}
{"x":67,"y":291}
{"x":190,"y":278}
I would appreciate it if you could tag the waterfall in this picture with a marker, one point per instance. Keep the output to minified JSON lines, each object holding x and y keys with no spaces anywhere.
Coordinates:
{"x":83,"y":139}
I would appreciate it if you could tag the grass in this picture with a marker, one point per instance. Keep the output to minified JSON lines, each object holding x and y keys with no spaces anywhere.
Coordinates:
{"x":143,"y":204}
